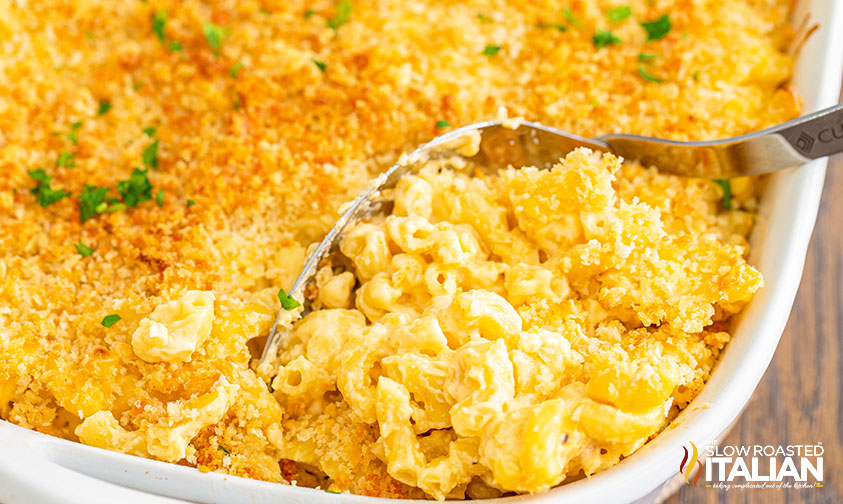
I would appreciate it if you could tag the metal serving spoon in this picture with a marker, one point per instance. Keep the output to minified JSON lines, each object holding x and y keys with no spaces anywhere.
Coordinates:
{"x":787,"y":145}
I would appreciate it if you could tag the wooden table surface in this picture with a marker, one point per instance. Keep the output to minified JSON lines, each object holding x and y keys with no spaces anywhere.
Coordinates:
{"x":799,"y":399}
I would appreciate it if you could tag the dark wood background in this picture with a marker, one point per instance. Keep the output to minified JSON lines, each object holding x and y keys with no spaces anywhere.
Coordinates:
{"x":799,"y":399}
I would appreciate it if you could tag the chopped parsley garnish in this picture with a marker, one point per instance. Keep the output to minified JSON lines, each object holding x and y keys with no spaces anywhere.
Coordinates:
{"x":104,"y":107}
{"x":570,"y":16}
{"x":159,"y":20}
{"x":483,"y":18}
{"x":342,"y":15}
{"x":602,"y":38}
{"x":236,"y":68}
{"x":159,"y":197}
{"x":66,"y":159}
{"x":696,"y":75}
{"x":175,"y":46}
{"x":545,"y":26}
{"x":215,"y":34}
{"x":726,"y":186}
{"x":190,"y":203}
{"x":110,"y":320}
{"x":92,"y":201}
{"x":321,"y":65}
{"x":619,"y":14}
{"x":136,"y":189}
{"x":288,"y":302}
{"x":111,"y":207}
{"x":221,"y":447}
{"x":150,"y":131}
{"x":647,"y":75}
{"x":658,"y":28}
{"x":442,"y":124}
{"x":45,"y":194}
{"x":309,"y":13}
{"x":150,"y":155}
{"x":491,"y":50}
{"x":83,"y":249}
{"x":647,"y":57}
{"x":71,"y":135}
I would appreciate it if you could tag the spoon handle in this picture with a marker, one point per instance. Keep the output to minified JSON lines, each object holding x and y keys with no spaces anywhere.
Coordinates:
{"x":815,"y":135}
{"x":780,"y":147}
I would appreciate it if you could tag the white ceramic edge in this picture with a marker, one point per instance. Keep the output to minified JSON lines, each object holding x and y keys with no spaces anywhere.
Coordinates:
{"x":38,"y":468}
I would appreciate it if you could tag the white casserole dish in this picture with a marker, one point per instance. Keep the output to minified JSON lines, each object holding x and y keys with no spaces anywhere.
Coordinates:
{"x":36,"y":468}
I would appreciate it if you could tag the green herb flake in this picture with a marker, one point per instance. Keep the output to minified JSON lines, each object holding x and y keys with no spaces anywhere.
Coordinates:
{"x":570,"y":16}
{"x":150,"y":155}
{"x":726,"y":186}
{"x":236,"y":68}
{"x":321,"y":65}
{"x":342,"y":15}
{"x":136,"y":189}
{"x":110,"y":320}
{"x":442,"y":124}
{"x":89,"y":35}
{"x":215,"y":34}
{"x":309,"y":13}
{"x":104,"y":107}
{"x":644,"y":57}
{"x":696,"y":75}
{"x":92,"y":201}
{"x":150,"y":131}
{"x":619,"y":14}
{"x":644,"y":73}
{"x":159,"y":20}
{"x":66,"y":160}
{"x":603,"y":38}
{"x":491,"y":50}
{"x":83,"y":249}
{"x":190,"y":203}
{"x":45,"y":194}
{"x":483,"y":18}
{"x":658,"y":28}
{"x":288,"y":302}
{"x":175,"y":46}
{"x":545,"y":26}
{"x":221,"y":447}
{"x":72,"y":134}
{"x":159,"y":197}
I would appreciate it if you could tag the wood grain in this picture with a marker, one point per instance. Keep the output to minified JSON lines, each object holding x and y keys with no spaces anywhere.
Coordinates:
{"x":799,"y":399}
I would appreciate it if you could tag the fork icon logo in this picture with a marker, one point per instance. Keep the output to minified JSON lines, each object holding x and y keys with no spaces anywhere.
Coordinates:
{"x":805,"y":142}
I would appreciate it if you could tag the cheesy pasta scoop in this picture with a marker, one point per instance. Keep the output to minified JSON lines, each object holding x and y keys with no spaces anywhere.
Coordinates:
{"x":504,"y":333}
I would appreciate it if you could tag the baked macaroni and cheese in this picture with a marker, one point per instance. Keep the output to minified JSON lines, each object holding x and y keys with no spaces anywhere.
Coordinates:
{"x":164,"y":167}
{"x":510,"y":331}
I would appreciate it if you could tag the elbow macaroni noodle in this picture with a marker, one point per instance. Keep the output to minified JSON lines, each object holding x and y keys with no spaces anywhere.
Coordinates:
{"x":174,"y":330}
{"x":511,"y":331}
